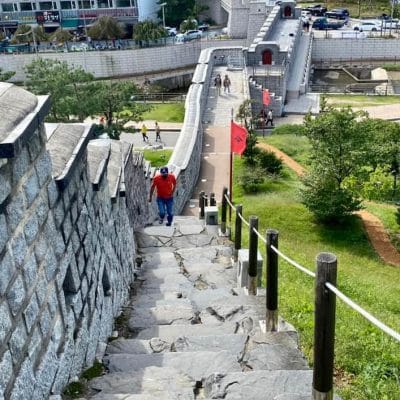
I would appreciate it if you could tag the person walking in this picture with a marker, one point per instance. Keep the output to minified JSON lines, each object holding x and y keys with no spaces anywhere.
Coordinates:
{"x":144,"y":133}
{"x":227,"y":84}
{"x":158,"y":130}
{"x":165,"y":183}
{"x":270,"y":118}
{"x":218,"y":84}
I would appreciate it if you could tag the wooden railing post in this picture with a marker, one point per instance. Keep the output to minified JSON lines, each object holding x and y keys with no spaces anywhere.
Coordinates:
{"x":201,"y":205}
{"x":324,"y":327}
{"x":253,"y":250}
{"x":213,"y":202}
{"x":224,"y":207}
{"x":271,"y":320}
{"x":238,"y":232}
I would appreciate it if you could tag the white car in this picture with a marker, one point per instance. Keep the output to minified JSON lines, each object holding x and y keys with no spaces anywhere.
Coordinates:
{"x":171,"y":31}
{"x":194,"y":34}
{"x":367,"y":26}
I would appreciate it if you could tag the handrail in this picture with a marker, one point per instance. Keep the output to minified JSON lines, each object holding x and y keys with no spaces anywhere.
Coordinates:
{"x":331,"y":287}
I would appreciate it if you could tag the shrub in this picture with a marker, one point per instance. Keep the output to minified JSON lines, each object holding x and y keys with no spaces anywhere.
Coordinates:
{"x":251,"y":179}
{"x":269,"y":162}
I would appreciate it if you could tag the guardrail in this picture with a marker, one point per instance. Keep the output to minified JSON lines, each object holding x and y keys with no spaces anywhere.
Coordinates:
{"x":326,"y":293}
{"x":160,"y":97}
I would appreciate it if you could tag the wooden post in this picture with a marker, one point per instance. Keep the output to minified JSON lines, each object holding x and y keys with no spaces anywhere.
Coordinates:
{"x":201,"y":205}
{"x":324,"y":327}
{"x":253,"y":250}
{"x":238,"y":232}
{"x":271,"y":319}
{"x":223,"y":210}
{"x":213,"y":202}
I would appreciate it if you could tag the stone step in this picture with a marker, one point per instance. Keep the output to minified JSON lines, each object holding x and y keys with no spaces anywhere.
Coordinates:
{"x":266,"y":385}
{"x":229,"y":342}
{"x":196,"y":365}
{"x":151,"y":383}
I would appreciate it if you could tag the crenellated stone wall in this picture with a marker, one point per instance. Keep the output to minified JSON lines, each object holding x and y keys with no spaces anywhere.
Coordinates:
{"x":67,"y":250}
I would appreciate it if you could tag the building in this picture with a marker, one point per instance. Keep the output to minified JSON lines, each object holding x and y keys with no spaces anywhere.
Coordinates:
{"x":72,"y":14}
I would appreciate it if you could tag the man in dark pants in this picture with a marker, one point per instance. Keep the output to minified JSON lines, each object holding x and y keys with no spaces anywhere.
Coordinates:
{"x":165,"y":184}
{"x":270,"y":118}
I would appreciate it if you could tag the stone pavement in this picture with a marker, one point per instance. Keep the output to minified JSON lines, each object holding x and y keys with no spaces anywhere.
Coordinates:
{"x":192,"y":334}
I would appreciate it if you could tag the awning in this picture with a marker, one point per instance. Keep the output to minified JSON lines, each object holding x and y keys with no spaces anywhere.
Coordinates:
{"x":69,"y":23}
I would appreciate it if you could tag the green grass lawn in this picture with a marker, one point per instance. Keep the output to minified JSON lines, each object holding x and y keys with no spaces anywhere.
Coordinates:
{"x":158,"y":158}
{"x":166,"y":112}
{"x":367,"y":360}
{"x":360,"y":101}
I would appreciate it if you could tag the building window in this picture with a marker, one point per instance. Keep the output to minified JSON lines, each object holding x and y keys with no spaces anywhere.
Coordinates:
{"x":122,"y":3}
{"x":45,"y":5}
{"x":65,"y":5}
{"x":103,"y":4}
{"x":26,"y":6}
{"x":8,"y":7}
{"x":54,"y":5}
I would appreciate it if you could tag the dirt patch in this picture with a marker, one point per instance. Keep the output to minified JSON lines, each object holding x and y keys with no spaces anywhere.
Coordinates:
{"x":373,"y":226}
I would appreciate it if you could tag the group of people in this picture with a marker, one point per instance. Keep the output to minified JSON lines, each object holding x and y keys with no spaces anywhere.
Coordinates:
{"x":226,"y":83}
{"x":157,"y":130}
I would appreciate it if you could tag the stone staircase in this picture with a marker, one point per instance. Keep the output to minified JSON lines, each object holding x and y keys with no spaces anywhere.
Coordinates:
{"x":192,"y":334}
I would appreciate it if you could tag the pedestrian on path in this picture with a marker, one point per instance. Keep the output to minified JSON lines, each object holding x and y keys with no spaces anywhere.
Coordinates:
{"x":144,"y":133}
{"x":157,"y":129}
{"x":270,"y":118}
{"x":227,"y":84}
{"x":165,"y":183}
{"x":218,"y":84}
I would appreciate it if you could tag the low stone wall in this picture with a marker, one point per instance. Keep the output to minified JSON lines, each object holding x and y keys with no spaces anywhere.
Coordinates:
{"x":67,"y":249}
{"x":336,"y":50}
{"x":105,"y":64}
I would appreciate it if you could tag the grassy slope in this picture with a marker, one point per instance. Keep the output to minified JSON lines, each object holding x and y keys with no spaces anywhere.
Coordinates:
{"x":361,"y":101}
{"x":167,"y":112}
{"x":361,"y":349}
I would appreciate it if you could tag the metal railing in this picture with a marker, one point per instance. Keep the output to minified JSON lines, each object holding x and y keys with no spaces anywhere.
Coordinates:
{"x":326,"y":292}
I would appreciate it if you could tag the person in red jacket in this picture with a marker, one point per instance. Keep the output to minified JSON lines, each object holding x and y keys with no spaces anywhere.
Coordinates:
{"x":165,"y":183}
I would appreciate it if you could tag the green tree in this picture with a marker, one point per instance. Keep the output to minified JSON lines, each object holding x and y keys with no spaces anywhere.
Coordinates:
{"x":6,"y":75}
{"x":61,"y":36}
{"x":107,"y":28}
{"x":340,"y":144}
{"x":68,"y":86}
{"x":147,"y":31}
{"x":24,"y":34}
{"x":114,"y":100}
{"x":176,"y":11}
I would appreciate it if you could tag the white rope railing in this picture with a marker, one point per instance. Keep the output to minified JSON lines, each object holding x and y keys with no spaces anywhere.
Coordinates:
{"x":391,"y":332}
{"x":364,"y":313}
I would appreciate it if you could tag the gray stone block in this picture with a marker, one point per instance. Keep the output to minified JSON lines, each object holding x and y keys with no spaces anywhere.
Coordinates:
{"x":18,"y":249}
{"x":59,"y":213}
{"x":42,"y":210}
{"x":3,"y":232}
{"x":34,"y":146}
{"x":53,"y":302}
{"x":35,"y":345}
{"x":24,"y":382}
{"x":15,"y":210}
{"x":67,"y":227}
{"x":17,"y":342}
{"x":6,"y":272}
{"x":40,"y":249}
{"x":31,"y":188}
{"x":30,"y":271}
{"x":54,"y":237}
{"x":52,"y":193}
{"x":50,"y":264}
{"x":211,"y":215}
{"x":5,"y":321}
{"x":31,"y":228}
{"x":20,"y":165}
{"x":41,"y":288}
{"x":16,"y":295}
{"x":43,"y":168}
{"x":45,"y":322}
{"x":6,"y":371}
{"x":31,"y":312}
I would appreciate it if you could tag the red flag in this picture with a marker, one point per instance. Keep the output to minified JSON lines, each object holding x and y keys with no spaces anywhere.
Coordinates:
{"x":238,"y":138}
{"x":265,"y":97}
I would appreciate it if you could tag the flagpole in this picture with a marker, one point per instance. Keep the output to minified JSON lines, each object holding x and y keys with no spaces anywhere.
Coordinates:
{"x":230,"y":169}
{"x":263,"y":110}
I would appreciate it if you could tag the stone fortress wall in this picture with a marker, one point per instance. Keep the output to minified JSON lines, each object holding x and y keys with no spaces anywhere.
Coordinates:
{"x":67,"y":248}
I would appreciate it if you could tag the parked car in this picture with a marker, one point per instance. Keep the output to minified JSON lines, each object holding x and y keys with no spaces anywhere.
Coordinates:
{"x":317,"y":10}
{"x":389,"y":23}
{"x":192,"y":35}
{"x":323,"y":24}
{"x":368,"y":26}
{"x":203,"y":27}
{"x":171,"y":31}
{"x":338,"y":13}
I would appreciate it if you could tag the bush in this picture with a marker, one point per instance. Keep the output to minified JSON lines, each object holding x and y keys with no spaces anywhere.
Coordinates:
{"x":289,"y":129}
{"x":269,"y":162}
{"x":326,"y":201}
{"x":251,"y":179}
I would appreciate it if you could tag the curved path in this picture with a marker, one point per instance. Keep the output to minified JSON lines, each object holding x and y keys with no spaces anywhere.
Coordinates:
{"x":373,"y":226}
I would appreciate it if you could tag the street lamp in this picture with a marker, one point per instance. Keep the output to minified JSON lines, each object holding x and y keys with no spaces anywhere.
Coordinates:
{"x":162,"y":5}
